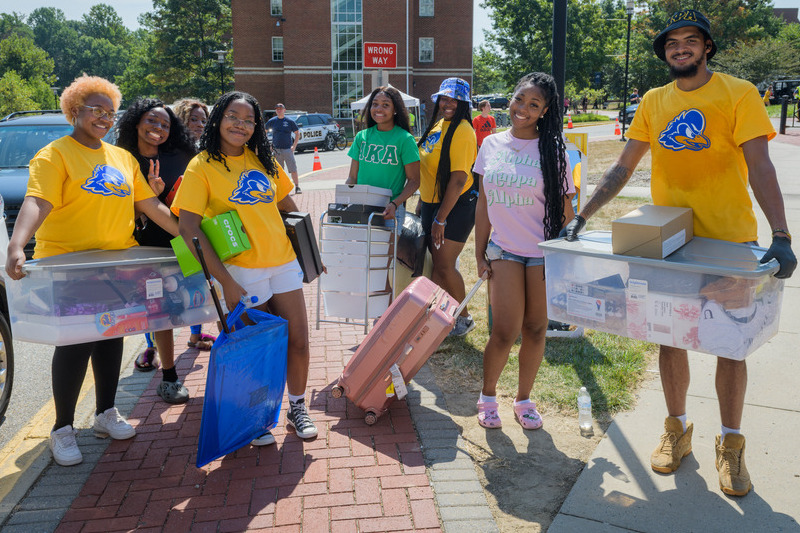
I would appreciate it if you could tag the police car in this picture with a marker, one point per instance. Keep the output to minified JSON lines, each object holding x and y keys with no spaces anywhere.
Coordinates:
{"x":317,"y":129}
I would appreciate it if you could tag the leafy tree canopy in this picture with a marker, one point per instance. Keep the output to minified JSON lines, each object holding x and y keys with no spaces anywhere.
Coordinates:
{"x":184,"y":36}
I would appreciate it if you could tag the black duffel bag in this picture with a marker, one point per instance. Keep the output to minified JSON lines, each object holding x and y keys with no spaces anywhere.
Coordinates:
{"x":411,"y":244}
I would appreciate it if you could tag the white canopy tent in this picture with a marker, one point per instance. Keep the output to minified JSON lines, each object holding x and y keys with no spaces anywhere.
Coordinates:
{"x":410,"y":102}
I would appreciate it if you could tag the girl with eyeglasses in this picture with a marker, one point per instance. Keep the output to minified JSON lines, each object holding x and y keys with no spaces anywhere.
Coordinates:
{"x":69,"y":207}
{"x":235,"y":170}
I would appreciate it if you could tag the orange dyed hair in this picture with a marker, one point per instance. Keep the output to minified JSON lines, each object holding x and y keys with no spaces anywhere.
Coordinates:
{"x":80,"y":89}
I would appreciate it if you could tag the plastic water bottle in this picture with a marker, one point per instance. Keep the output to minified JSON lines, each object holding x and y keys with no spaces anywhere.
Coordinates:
{"x":585,"y":412}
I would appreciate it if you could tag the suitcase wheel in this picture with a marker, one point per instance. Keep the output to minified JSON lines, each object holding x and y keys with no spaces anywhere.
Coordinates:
{"x":370,"y":418}
{"x":337,"y":391}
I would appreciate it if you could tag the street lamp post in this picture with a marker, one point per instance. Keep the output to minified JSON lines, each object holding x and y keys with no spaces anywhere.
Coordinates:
{"x":55,"y":95}
{"x":221,"y":60}
{"x":629,"y":12}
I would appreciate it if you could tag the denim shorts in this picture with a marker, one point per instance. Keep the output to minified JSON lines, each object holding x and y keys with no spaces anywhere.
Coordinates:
{"x":399,"y":216}
{"x":495,"y":253}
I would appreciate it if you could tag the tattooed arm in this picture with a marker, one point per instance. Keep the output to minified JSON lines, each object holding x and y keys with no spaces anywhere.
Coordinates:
{"x":614,"y":179}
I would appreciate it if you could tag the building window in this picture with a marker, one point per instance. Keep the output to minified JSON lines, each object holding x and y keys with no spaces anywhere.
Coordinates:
{"x":277,"y":49}
{"x":425,"y":8}
{"x":276,"y":7}
{"x":347,"y":55}
{"x":426,"y":49}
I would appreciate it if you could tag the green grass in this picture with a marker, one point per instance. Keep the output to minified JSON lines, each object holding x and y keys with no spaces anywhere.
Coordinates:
{"x":587,"y":117}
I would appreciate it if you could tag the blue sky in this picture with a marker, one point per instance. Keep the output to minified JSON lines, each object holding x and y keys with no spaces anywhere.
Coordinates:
{"x":129,"y":10}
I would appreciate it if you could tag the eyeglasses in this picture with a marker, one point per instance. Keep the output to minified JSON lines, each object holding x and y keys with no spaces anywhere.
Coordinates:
{"x":99,"y":112}
{"x":249,"y":124}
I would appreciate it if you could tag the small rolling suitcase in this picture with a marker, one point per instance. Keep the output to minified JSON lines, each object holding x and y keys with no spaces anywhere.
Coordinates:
{"x":400,"y":343}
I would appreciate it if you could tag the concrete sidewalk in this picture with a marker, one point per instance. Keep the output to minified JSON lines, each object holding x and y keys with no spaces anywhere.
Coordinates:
{"x":617,"y":491}
{"x":402,"y":474}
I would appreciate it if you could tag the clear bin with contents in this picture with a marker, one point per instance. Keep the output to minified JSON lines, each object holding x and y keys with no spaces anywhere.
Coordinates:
{"x":709,"y":296}
{"x":101,"y":294}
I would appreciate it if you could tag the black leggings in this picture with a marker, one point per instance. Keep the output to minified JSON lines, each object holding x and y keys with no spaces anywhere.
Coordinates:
{"x":69,"y":369}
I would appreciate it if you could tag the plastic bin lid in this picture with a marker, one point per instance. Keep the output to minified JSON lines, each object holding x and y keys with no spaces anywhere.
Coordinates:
{"x":135,"y":255}
{"x":701,"y":255}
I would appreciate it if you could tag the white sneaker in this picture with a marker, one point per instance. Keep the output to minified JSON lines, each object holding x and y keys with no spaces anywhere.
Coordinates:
{"x":111,"y":423}
{"x":264,"y":440}
{"x":64,"y":446}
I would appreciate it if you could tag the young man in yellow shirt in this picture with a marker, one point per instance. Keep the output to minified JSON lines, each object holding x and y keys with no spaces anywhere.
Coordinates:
{"x":708,"y":135}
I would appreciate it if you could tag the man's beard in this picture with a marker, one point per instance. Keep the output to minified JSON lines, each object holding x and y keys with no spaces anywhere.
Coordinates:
{"x":686,"y":71}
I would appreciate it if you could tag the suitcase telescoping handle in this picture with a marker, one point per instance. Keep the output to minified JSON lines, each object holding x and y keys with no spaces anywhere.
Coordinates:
{"x":211,"y":287}
{"x":469,"y":295}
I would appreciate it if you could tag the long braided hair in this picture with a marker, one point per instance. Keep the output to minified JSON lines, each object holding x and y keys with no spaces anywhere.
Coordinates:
{"x":552,"y":151}
{"x":258,"y":143}
{"x":128,"y":136}
{"x":463,"y":112}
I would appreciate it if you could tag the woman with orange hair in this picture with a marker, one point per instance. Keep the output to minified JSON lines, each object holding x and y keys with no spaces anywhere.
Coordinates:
{"x":79,"y":181}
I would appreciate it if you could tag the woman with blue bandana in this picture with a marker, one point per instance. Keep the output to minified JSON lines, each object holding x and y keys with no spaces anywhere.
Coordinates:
{"x":79,"y":181}
{"x":447,"y":151}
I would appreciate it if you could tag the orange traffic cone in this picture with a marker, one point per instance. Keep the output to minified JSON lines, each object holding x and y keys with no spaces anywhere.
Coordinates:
{"x":317,"y":162}
{"x":617,"y":131}
{"x":569,"y":121}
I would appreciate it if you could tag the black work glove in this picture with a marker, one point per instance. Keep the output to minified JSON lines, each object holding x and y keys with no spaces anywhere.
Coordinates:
{"x":571,"y":230}
{"x":781,"y":250}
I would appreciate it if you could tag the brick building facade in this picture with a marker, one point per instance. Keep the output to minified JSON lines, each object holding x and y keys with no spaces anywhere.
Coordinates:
{"x":308,"y":54}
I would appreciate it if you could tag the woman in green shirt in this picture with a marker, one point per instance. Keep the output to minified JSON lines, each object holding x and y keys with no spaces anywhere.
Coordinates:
{"x":385,"y":154}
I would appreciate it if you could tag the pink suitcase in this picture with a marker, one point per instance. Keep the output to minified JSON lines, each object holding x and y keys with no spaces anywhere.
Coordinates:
{"x":401,"y":342}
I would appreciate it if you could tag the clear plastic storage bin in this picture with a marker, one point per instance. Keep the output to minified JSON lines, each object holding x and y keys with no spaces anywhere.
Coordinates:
{"x":710,"y":296}
{"x":101,"y":294}
{"x":362,"y":194}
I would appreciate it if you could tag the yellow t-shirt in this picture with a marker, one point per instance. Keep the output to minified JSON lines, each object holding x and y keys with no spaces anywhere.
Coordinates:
{"x":695,"y":138}
{"x":463,"y":149}
{"x":209,"y":189}
{"x":92,"y":192}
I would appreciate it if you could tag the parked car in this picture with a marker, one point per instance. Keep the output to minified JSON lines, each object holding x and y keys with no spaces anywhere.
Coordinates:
{"x":498,"y":101}
{"x":22,"y":135}
{"x":783,"y":88}
{"x":6,"y":344}
{"x":630,"y":111}
{"x":317,"y":130}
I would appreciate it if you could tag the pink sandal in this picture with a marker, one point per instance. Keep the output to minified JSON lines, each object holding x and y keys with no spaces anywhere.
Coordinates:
{"x":488,"y":416}
{"x":527,"y":415}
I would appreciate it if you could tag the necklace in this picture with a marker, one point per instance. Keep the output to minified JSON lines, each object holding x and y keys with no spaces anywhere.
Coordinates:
{"x":518,"y":150}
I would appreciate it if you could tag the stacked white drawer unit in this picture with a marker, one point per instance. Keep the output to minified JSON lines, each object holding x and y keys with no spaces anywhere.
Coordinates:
{"x":358,"y":257}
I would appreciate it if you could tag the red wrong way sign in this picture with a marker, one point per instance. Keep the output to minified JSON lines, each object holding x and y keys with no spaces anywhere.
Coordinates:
{"x":380,"y":55}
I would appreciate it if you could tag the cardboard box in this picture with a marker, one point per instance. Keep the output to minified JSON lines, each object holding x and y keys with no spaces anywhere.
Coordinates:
{"x":652,"y":231}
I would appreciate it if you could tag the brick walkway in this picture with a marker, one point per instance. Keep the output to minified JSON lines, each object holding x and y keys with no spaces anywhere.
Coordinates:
{"x":352,"y":477}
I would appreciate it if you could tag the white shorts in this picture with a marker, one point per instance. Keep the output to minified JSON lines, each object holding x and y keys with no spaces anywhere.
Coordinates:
{"x":264,"y":282}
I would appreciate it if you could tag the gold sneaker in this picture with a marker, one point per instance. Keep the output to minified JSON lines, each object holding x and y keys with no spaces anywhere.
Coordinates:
{"x":733,"y":476}
{"x":675,"y":445}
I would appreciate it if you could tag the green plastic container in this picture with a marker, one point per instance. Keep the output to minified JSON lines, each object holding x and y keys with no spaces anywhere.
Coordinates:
{"x":226,"y":234}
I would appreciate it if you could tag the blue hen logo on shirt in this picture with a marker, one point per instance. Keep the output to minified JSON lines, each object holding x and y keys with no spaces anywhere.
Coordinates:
{"x":253,"y":187}
{"x":685,"y":132}
{"x":431,"y":141}
{"x":107,"y":181}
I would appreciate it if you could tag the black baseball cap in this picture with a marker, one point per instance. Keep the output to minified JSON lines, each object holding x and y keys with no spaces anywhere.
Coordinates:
{"x":681,"y":19}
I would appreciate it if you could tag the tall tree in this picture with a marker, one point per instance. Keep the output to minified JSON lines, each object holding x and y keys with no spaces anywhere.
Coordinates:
{"x":27,"y":69}
{"x":185,"y":35}
{"x":55,"y":35}
{"x":137,"y":79}
{"x":11,"y":23}
{"x":486,"y":79}
{"x":521,"y":36}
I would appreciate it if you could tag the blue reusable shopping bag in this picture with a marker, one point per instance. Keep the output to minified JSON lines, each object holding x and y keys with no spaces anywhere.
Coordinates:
{"x":245,"y":382}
